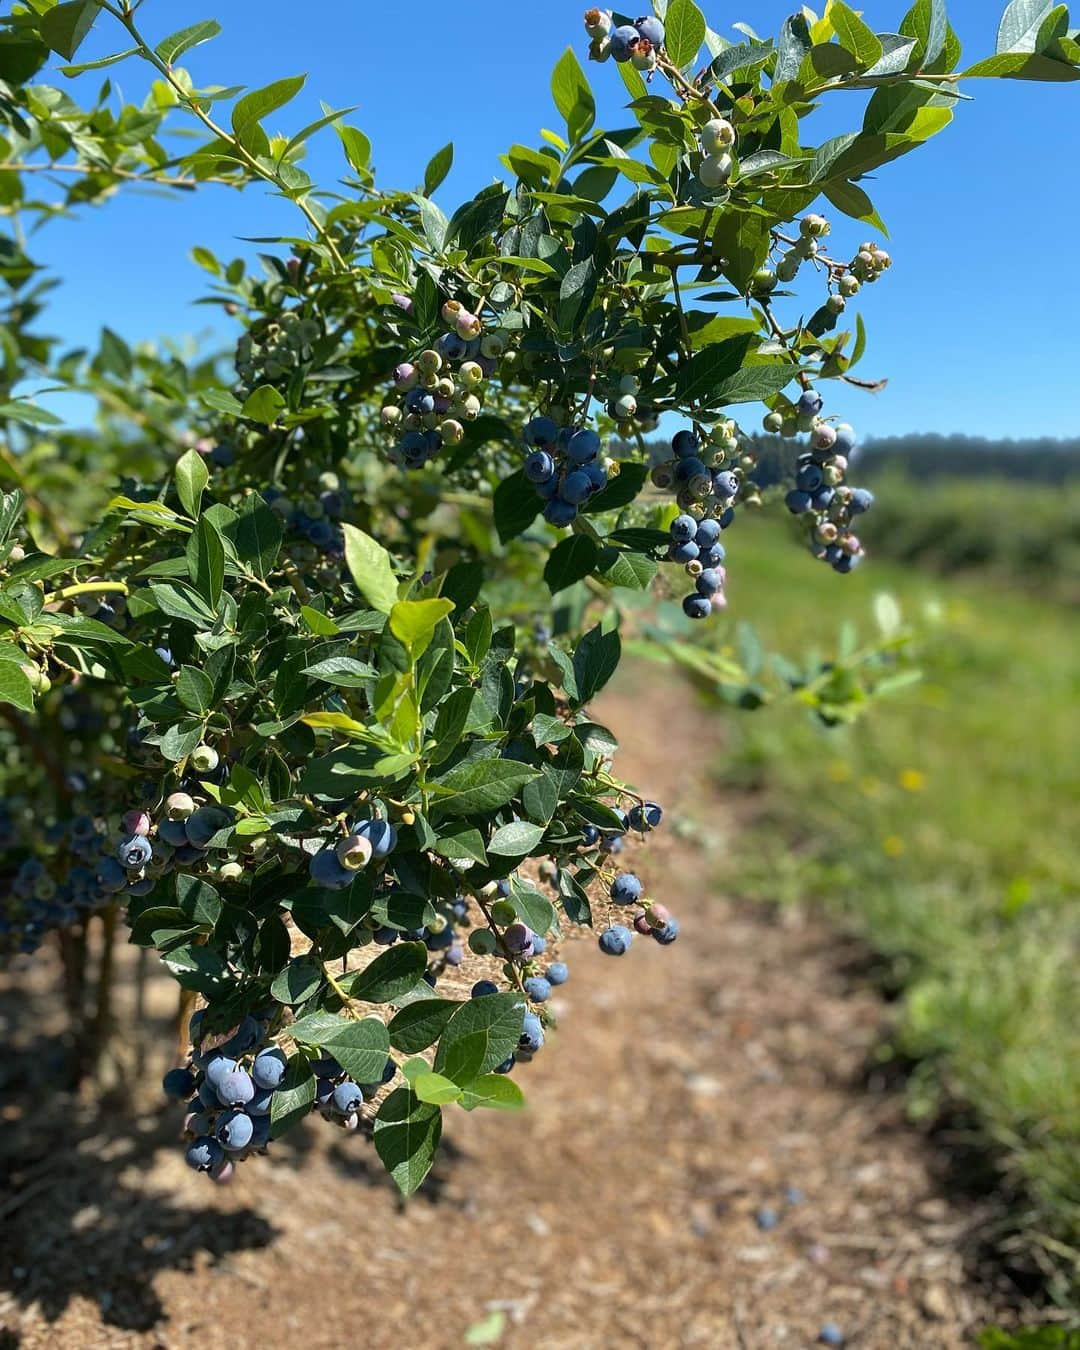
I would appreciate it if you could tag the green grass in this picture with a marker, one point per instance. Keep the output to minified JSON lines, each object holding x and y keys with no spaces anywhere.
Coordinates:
{"x":945,"y":827}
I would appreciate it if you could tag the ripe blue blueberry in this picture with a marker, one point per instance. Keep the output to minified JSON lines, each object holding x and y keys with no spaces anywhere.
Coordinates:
{"x":558,"y":972}
{"x":708,"y":532}
{"x":261,"y":1103}
{"x":482,"y":987}
{"x":110,"y":876}
{"x":652,"y":30}
{"x":862,"y":499}
{"x":688,"y":468}
{"x":539,"y":945}
{"x":179,"y":1083}
{"x":684,"y":553}
{"x":597,"y":475}
{"x":624,"y":40}
{"x":541,"y":431}
{"x":235,"y":1088}
{"x":326,"y":1066}
{"x":532,"y":1033}
{"x":539,"y":467}
{"x":269,"y":1068}
{"x":326,"y":870}
{"x":709,"y":582}
{"x":798,"y":503}
{"x":347,"y":1098}
{"x":380,"y":834}
{"x":685,"y":444}
{"x":713,"y":556}
{"x":667,"y":935}
{"x":725,"y":483}
{"x":809,"y":478}
{"x":831,"y":1334}
{"x":822,"y":498}
{"x":684,"y":529}
{"x":203,"y":1153}
{"x":846,"y":439}
{"x":216,"y":1066}
{"x":766,"y":1219}
{"x":537,"y":988}
{"x":846,"y":563}
{"x":201,"y":826}
{"x":234,"y":1131}
{"x":616,"y":940}
{"x":507,"y":1064}
{"x":560,"y":513}
{"x":583,"y":446}
{"x":134,"y":851}
{"x":625,"y":889}
{"x":576,"y":487}
{"x":697,"y":607}
{"x":590,"y":835}
{"x":810,"y":403}
{"x":645,"y":817}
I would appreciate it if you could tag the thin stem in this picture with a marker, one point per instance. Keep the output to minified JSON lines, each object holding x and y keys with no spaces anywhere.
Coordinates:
{"x":91,"y":588}
{"x":269,"y":176}
{"x":128,"y":175}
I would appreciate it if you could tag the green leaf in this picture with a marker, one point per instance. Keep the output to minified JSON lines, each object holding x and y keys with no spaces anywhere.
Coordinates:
{"x":518,"y":839}
{"x":632,"y":570}
{"x":571,"y":559}
{"x":853,"y":201}
{"x":516,"y":506}
{"x":198,"y":901}
{"x":420,"y":1024}
{"x":495,"y":1090}
{"x":792,"y":49}
{"x":1020,"y":24}
{"x":532,"y":907}
{"x":192,"y":477}
{"x":250,"y":110}
{"x":197,"y":967}
{"x":389,"y":976}
{"x":257,"y":536}
{"x":15,"y":686}
{"x":65,"y":26}
{"x":474,"y":220}
{"x":927,"y":22}
{"x":170,"y":49}
{"x":684,"y":31}
{"x":753,"y":383}
{"x":194,"y":689}
{"x":438,"y":167}
{"x":407,"y":1133}
{"x":360,"y":1047}
{"x":572,"y":95}
{"x":413,"y":623}
{"x":596,"y":657}
{"x":297,"y":982}
{"x":855,"y":36}
{"x":263,"y":405}
{"x":483,"y":785}
{"x":293,"y":1098}
{"x":182,"y":602}
{"x":370,"y":568}
{"x":434,"y":1088}
{"x":698,"y":377}
{"x":479,"y":1036}
{"x":461,"y":843}
{"x":1021,"y":66}
{"x":205,"y":554}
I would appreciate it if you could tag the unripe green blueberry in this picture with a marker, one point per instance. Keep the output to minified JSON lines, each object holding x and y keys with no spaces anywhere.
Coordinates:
{"x":598,"y":23}
{"x":429,"y":361}
{"x":502,"y":911}
{"x":230,"y":871}
{"x":662,"y":477}
{"x":827,"y":532}
{"x":644,"y":57}
{"x":717,"y":134}
{"x":836,"y":304}
{"x":17,"y":554}
{"x":882,"y":260}
{"x":450,"y":311}
{"x":445,"y":387}
{"x":694,"y":568}
{"x":787,"y":269}
{"x":865,"y":259}
{"x":482,"y":941}
{"x":452,"y":432}
{"x":813,"y":226}
{"x":809,"y":248}
{"x":832,"y":475}
{"x":625,"y":407}
{"x":179,"y":805}
{"x":849,"y":285}
{"x":773,"y":423}
{"x":790,"y":428}
{"x":840,"y":461}
{"x":467,"y":408}
{"x":600,"y":49}
{"x":763,"y":281}
{"x":493,"y":345}
{"x":328,"y":482}
{"x":204,"y":759}
{"x":715,"y":170}
{"x":471,"y":374}
{"x":354,"y":852}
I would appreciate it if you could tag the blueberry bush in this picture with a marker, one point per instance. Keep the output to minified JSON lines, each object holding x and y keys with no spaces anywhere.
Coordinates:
{"x":297,"y":651}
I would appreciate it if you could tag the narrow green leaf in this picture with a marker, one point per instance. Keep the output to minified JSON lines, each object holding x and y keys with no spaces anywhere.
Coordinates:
{"x":192,"y":477}
{"x":370,"y":568}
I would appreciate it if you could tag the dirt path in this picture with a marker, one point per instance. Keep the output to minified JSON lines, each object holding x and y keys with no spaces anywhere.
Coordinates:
{"x":689,"y":1090}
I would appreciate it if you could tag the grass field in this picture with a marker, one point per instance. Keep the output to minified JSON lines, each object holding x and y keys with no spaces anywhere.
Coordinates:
{"x":945,"y":828}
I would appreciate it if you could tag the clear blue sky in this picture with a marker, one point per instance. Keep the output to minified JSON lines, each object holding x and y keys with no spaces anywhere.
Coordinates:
{"x":975,"y":326}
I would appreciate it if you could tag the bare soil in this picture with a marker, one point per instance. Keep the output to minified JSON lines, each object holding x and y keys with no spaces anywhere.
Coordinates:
{"x":688,"y":1091}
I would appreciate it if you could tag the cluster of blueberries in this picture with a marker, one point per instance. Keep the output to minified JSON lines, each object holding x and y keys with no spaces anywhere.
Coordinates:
{"x":41,"y":896}
{"x":316,"y":518}
{"x":442,"y":389}
{"x":639,"y":42}
{"x":565,"y":467}
{"x":652,"y":919}
{"x":820,"y":493}
{"x":182,"y":839}
{"x":229,"y":1091}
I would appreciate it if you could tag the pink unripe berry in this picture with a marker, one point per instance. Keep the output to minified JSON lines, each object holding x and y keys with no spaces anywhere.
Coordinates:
{"x":135,"y":822}
{"x":468,"y":325}
{"x":824,"y":437}
{"x":406,"y":375}
{"x":354,"y":852}
{"x":179,"y":805}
